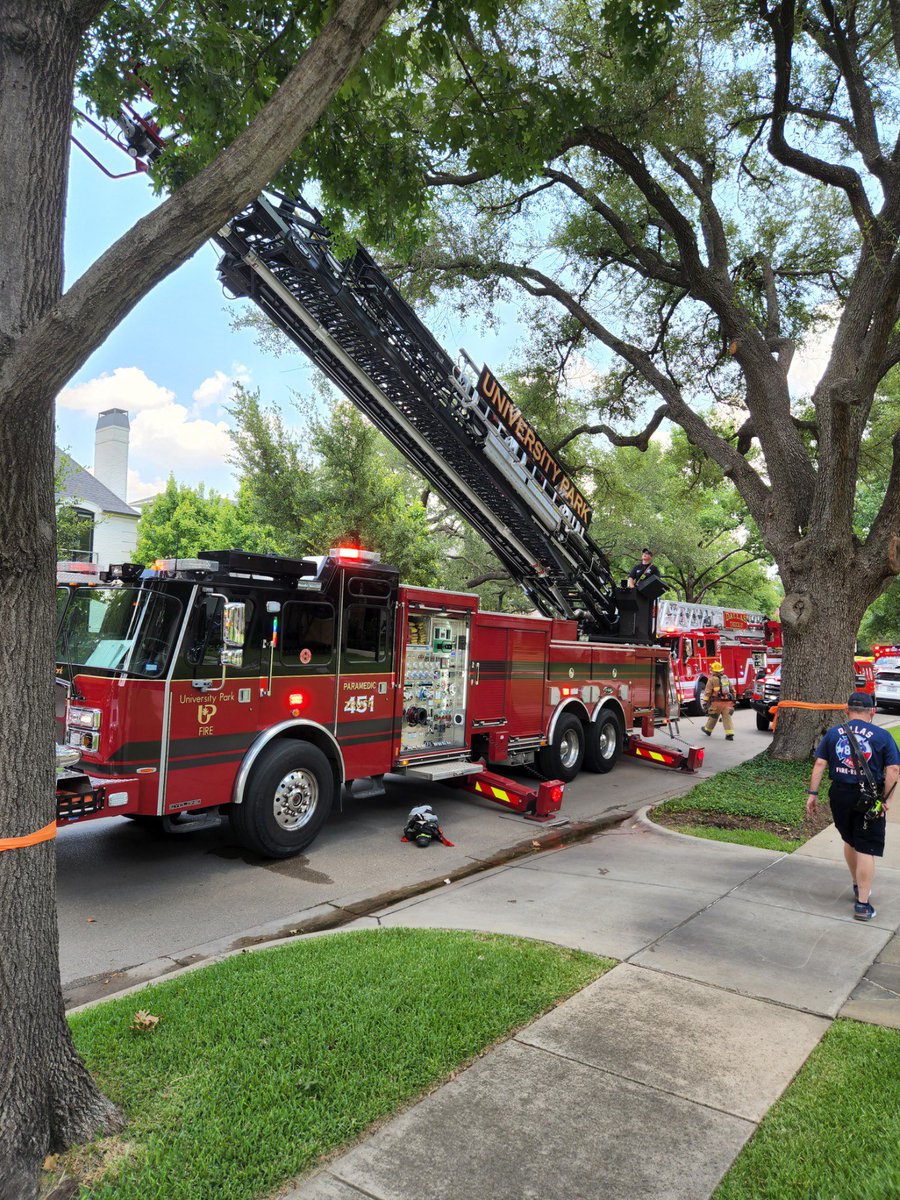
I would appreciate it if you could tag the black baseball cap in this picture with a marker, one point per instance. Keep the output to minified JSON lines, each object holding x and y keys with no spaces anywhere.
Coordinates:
{"x":646,"y":550}
{"x":861,"y":700}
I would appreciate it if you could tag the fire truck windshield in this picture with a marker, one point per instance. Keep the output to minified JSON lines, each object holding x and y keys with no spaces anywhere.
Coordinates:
{"x":119,"y":629}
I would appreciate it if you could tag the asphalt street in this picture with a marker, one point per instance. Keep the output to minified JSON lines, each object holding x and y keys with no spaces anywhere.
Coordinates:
{"x":133,"y":905}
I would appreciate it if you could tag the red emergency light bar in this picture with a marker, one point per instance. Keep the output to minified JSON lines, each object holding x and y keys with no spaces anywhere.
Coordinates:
{"x":354,"y":554}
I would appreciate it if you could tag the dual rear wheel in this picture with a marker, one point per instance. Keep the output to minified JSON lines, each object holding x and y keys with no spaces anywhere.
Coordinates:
{"x":596,"y":745}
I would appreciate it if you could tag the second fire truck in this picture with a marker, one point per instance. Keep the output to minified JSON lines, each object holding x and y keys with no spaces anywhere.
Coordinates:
{"x":699,"y":634}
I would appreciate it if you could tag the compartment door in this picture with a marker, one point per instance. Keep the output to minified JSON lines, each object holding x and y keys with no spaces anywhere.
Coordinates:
{"x":489,"y":669}
{"x":528,"y":655}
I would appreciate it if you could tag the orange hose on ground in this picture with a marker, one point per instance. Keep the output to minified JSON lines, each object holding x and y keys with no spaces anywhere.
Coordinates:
{"x":29,"y":839}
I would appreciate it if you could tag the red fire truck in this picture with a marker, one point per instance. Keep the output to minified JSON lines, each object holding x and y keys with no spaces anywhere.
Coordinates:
{"x":264,"y":685}
{"x":698,"y":634}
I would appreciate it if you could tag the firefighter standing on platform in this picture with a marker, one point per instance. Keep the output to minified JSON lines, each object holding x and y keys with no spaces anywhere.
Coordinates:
{"x":718,"y":695}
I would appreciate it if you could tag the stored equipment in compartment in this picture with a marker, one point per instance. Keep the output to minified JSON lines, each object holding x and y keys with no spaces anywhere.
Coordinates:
{"x":434,"y":684}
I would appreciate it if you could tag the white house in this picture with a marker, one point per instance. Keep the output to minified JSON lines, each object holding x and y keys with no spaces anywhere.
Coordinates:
{"x":107,"y":531}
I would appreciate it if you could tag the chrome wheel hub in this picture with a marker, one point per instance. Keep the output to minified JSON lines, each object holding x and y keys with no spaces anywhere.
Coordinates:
{"x":295,"y":799}
{"x":608,"y":740}
{"x":569,"y":748}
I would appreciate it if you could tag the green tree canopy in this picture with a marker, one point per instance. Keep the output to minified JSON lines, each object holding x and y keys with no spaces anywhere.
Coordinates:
{"x":335,"y":481}
{"x":183,"y":522}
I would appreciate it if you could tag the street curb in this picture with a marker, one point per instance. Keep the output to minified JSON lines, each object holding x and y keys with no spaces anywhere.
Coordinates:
{"x":642,"y":818}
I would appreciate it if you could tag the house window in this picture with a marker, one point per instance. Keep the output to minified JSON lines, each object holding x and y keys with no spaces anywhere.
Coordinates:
{"x":75,"y":533}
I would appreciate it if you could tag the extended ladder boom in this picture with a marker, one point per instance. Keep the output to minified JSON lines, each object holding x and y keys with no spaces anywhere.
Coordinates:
{"x":465,"y":436}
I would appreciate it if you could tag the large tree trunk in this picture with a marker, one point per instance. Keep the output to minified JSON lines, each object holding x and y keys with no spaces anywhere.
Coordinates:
{"x":47,"y":1098}
{"x":820,"y":618}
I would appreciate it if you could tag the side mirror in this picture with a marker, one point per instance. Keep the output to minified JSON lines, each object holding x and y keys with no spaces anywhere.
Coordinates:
{"x":234,"y":631}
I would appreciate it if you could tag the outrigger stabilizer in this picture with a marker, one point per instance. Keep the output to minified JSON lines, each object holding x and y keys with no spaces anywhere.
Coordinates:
{"x":535,"y":805}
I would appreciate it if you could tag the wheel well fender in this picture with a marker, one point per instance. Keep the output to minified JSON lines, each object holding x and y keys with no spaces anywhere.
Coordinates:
{"x":297,"y":730}
{"x":576,"y":707}
{"x":610,"y":703}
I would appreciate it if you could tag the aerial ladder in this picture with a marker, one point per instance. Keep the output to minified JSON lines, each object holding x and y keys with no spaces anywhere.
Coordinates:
{"x":457,"y":426}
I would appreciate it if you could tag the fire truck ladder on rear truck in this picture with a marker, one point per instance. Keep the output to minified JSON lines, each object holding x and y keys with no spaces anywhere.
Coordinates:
{"x":466,"y":437}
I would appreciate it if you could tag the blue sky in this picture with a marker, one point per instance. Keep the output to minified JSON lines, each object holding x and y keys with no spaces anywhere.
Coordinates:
{"x":173,"y":361}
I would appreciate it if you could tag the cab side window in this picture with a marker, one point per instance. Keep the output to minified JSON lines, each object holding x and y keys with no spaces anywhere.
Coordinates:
{"x":365,"y":633}
{"x":307,"y":634}
{"x":204,"y":639}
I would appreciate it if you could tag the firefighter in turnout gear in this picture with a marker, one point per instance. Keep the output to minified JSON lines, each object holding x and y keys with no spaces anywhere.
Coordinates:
{"x":718,"y":696}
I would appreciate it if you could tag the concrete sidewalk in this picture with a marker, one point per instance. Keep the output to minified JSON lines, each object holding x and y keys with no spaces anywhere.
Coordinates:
{"x":648,"y":1082}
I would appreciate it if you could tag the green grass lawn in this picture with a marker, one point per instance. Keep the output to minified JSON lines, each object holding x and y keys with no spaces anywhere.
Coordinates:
{"x":834,"y":1134}
{"x":264,"y":1062}
{"x":760,"y":802}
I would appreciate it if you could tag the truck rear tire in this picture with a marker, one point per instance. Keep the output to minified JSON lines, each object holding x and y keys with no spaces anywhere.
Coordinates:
{"x":763,"y":721}
{"x":288,"y":799}
{"x":564,"y":757}
{"x":605,"y":740}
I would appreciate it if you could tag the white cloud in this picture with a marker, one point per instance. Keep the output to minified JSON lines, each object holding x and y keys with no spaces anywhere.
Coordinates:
{"x":139,"y":489}
{"x":126,"y":387}
{"x":169,"y":438}
{"x":165,"y":435}
{"x":218,"y":388}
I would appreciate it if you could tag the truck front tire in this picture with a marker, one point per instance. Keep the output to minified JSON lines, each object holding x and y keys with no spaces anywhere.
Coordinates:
{"x":763,"y":721}
{"x":289,"y":797}
{"x":564,"y":757}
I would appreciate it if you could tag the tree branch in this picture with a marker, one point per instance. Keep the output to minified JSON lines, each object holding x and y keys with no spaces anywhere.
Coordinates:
{"x":713,"y":582}
{"x":647,"y":261}
{"x":537,"y":283}
{"x":157,"y":244}
{"x":641,"y":440}
{"x":841,"y":49}
{"x":488,"y":577}
{"x":710,"y":220}
{"x":637,"y":171}
{"x":781,"y":22}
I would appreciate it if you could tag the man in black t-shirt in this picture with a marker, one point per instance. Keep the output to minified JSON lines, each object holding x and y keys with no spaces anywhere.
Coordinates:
{"x":643,"y":570}
{"x":861,"y":828}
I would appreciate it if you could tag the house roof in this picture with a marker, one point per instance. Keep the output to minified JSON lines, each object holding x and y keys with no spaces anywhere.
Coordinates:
{"x":78,"y":484}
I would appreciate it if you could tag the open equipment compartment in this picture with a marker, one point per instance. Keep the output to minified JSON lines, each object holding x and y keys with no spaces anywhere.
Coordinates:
{"x":435,"y":676}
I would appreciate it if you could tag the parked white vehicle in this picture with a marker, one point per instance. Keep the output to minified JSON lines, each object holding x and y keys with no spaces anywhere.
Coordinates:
{"x":887,"y":683}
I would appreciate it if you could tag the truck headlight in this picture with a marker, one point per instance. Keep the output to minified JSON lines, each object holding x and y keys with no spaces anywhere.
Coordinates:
{"x":83,"y":728}
{"x":84,"y":718}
